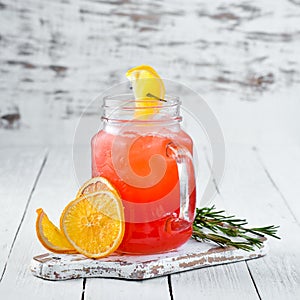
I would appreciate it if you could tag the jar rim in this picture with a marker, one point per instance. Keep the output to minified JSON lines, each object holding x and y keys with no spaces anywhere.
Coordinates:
{"x":124,"y":108}
{"x":168,"y":101}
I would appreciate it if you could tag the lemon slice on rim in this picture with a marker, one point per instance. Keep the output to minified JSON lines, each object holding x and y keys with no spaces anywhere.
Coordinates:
{"x":148,"y":89}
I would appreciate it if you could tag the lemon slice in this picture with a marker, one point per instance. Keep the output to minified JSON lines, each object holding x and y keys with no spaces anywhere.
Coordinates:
{"x":148,"y":89}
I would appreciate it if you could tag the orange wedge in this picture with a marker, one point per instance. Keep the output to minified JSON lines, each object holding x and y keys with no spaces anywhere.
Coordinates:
{"x":50,"y":236}
{"x":97,"y":184}
{"x":94,"y":223}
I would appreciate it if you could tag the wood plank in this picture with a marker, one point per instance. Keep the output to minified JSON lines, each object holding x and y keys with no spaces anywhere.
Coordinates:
{"x":219,"y":282}
{"x":281,"y":165}
{"x":19,"y":169}
{"x":156,"y":288}
{"x":55,"y":188}
{"x":249,"y":193}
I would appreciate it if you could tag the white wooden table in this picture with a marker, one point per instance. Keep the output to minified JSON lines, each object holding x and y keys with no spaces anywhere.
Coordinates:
{"x":261,"y":185}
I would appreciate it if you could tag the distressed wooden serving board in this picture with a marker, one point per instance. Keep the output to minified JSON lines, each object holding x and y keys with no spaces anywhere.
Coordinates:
{"x":190,"y":256}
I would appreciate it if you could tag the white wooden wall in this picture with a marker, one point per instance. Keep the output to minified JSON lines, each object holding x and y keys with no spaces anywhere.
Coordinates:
{"x":242,"y":56}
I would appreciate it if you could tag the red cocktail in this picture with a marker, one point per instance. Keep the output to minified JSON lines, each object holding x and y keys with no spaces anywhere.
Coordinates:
{"x":149,"y":162}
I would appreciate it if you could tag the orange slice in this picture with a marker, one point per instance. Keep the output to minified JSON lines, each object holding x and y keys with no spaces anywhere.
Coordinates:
{"x":94,"y":223}
{"x":97,"y":184}
{"x":50,"y":236}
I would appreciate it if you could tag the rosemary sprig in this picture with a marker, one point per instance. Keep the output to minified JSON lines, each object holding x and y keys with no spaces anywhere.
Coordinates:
{"x":212,"y":225}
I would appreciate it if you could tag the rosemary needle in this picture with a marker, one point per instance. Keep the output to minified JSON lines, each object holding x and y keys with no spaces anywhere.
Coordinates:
{"x":213,"y":226}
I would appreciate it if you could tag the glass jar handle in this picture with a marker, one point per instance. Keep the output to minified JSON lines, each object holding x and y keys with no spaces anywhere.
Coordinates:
{"x":184,"y":161}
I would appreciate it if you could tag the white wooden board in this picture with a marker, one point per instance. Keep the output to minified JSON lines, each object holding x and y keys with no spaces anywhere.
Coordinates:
{"x":190,"y":256}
